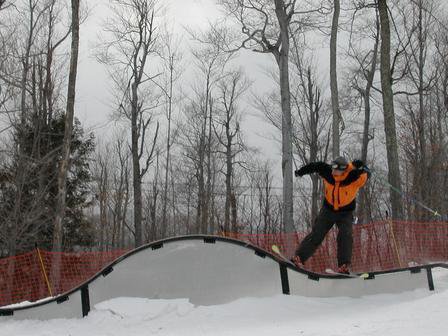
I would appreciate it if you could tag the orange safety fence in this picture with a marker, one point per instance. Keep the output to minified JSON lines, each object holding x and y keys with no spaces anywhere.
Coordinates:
{"x":376,"y":246}
{"x":31,"y":276}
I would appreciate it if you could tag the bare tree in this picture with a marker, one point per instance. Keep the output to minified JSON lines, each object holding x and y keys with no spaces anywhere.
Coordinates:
{"x":362,"y":80}
{"x":228,"y":133}
{"x":5,"y":4}
{"x":20,"y":39}
{"x":266,"y":27}
{"x":172,"y":64}
{"x":211,"y":58}
{"x":3,"y":46}
{"x":34,"y":71}
{"x":64,"y":163}
{"x":419,"y":22}
{"x":121,"y":199}
{"x":439,"y":125}
{"x":334,"y":79}
{"x":9,"y":49}
{"x":102,"y":170}
{"x":152,"y":223}
{"x":111,"y":188}
{"x":128,"y":52}
{"x":267,"y":208}
{"x":197,"y":145}
{"x":310,"y":119}
{"x":389,"y":112}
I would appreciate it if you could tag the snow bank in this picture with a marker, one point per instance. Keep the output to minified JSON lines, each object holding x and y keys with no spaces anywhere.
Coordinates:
{"x":415,"y":313}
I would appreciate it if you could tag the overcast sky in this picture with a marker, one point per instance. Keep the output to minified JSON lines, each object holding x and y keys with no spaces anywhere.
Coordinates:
{"x":93,"y":85}
{"x":92,"y":91}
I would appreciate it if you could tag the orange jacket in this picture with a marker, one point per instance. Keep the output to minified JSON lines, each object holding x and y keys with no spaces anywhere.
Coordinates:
{"x":340,"y":190}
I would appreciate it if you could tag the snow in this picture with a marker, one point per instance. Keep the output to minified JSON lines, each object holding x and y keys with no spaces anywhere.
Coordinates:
{"x":419,"y":312}
{"x":27,"y":303}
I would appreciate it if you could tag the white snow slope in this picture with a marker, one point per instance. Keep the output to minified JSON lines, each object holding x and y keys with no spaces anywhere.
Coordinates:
{"x":420,"y":312}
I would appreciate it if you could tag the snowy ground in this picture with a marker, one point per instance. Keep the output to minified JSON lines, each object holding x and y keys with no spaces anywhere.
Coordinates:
{"x":413,"y":313}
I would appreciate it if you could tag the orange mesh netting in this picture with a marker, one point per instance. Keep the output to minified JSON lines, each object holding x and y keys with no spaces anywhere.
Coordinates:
{"x":376,"y":246}
{"x":24,"y":277}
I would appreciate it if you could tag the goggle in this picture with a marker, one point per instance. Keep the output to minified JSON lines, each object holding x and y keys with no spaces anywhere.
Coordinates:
{"x":337,"y":166}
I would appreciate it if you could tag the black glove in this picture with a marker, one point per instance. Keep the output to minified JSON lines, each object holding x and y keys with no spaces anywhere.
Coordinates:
{"x":358,"y":164}
{"x":299,"y":172}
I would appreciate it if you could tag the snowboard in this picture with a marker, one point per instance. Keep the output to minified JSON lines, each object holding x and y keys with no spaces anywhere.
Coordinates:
{"x":277,"y":251}
{"x":330,"y":271}
{"x":350,"y":275}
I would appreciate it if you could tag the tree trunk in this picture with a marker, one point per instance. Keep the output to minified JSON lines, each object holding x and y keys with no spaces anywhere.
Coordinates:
{"x":334,"y":79}
{"x":168,"y":148}
{"x":282,"y":58}
{"x":205,"y":160}
{"x":201,"y":179}
{"x":229,"y":169}
{"x":389,"y":113}
{"x":64,"y":163}
{"x":136,"y":179}
{"x":124,"y":211}
{"x":234,"y":208}
{"x":176,"y":225}
{"x":103,"y":205}
{"x":21,"y":173}
{"x":313,"y":102}
{"x":208,"y":195}
{"x":366,"y":95}
{"x":422,"y":169}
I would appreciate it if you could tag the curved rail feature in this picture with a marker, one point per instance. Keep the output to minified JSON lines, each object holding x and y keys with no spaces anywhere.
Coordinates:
{"x":210,"y":270}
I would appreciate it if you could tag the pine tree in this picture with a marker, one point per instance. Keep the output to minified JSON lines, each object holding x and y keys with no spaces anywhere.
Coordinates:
{"x":42,"y":147}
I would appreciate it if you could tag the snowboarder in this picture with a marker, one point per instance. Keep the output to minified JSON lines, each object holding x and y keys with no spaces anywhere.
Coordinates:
{"x":342,"y":180}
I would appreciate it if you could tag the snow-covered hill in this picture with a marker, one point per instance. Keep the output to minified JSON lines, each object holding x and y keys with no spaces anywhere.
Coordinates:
{"x":420,"y":312}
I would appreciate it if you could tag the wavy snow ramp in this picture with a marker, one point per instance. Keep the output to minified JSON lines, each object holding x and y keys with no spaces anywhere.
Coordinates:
{"x":211,"y":270}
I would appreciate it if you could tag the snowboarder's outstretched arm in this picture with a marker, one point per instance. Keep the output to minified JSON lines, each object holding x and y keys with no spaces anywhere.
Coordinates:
{"x":321,"y":168}
{"x":359,"y":175}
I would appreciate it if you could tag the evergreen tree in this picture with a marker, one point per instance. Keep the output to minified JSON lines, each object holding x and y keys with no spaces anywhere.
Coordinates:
{"x":42,"y":148}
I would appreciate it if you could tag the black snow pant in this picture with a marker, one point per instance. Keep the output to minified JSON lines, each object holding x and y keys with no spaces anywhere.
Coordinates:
{"x":324,"y":222}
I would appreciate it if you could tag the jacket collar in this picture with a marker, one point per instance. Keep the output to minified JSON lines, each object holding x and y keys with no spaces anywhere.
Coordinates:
{"x":342,"y":177}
